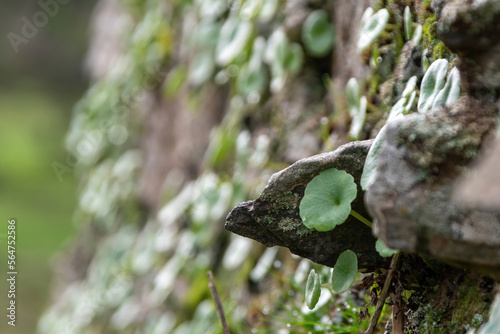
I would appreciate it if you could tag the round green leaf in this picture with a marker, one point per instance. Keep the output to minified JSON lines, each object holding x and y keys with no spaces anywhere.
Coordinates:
{"x":313,"y":289}
{"x":234,"y":37}
{"x":252,"y":80}
{"x":327,"y":200}
{"x":432,"y":83}
{"x":318,"y":34}
{"x":344,"y":272}
{"x":291,"y":57}
{"x":383,"y":250}
{"x":371,"y":27}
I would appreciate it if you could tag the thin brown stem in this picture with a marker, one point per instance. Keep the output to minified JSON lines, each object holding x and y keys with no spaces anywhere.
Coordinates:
{"x":398,"y":316}
{"x":383,"y":294}
{"x":215,"y":296}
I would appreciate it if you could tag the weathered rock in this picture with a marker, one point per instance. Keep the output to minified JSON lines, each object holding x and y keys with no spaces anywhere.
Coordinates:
{"x":273,"y":219}
{"x":411,"y":197}
{"x":472,"y":30}
{"x":480,"y":188}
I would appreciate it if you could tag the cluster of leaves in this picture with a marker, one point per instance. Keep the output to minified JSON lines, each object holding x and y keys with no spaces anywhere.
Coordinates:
{"x":227,"y":43}
{"x":327,"y":198}
{"x":157,"y":266}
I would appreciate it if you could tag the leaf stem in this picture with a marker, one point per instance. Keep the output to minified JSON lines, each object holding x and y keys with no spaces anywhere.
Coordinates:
{"x":361,"y":218}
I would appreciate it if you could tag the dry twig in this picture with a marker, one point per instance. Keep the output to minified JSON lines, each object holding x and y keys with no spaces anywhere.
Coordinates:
{"x":215,"y":296}
{"x":383,"y":295}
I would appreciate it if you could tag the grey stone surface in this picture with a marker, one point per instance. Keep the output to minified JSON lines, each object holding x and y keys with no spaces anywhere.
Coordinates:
{"x":480,"y":188}
{"x":412,"y":195}
{"x":273,"y":219}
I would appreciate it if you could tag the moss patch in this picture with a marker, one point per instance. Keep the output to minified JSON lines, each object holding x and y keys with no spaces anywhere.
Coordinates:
{"x":460,"y":301}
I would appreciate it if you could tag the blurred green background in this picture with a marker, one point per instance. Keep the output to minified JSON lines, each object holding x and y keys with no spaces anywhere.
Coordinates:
{"x":38,"y":87}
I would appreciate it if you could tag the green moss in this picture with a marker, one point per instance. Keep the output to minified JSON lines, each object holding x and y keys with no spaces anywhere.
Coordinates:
{"x":440,"y":51}
{"x":430,"y":41}
{"x":461,"y":302}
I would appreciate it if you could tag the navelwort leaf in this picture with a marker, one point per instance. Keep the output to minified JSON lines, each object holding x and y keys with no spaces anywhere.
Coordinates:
{"x":318,"y":34}
{"x":368,"y":176}
{"x":404,"y":105}
{"x":449,"y":94}
{"x":201,"y":69}
{"x":352,"y":94}
{"x":432,"y":83}
{"x":358,"y":120}
{"x":417,"y":34}
{"x":383,"y":250}
{"x":408,"y":23}
{"x":371,"y":27}
{"x":344,"y":272}
{"x":313,"y":289}
{"x":327,"y":200}
{"x":234,"y":36}
{"x":253,"y":76}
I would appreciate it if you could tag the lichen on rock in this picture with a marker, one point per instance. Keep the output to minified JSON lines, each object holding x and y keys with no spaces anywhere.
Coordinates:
{"x":273,"y":219}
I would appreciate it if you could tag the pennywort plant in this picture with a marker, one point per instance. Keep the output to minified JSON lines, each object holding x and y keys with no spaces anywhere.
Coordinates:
{"x":405,"y":103}
{"x":343,"y":275}
{"x":284,"y":57}
{"x":412,"y":31}
{"x":327,"y":200}
{"x":318,"y":34}
{"x":433,"y":91}
{"x":372,"y":25}
{"x":327,"y":204}
{"x":313,"y":289}
{"x":357,"y":108}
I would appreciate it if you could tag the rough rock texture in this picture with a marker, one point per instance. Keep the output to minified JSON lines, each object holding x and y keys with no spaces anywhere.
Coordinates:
{"x":480,"y":189}
{"x":412,"y":197}
{"x":273,"y":219}
{"x":473,"y":32}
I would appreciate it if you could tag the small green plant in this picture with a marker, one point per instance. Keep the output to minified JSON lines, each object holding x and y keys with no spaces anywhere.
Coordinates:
{"x":372,"y":26}
{"x":450,"y":92}
{"x":432,"y":93}
{"x":404,"y":105}
{"x":344,"y":272}
{"x":383,"y":250}
{"x":327,"y":200}
{"x":357,"y":108}
{"x":283,"y":57}
{"x":201,"y":68}
{"x":313,"y":289}
{"x":252,"y":78}
{"x":417,"y":34}
{"x":318,"y":34}
{"x":408,"y":23}
{"x":234,"y":36}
